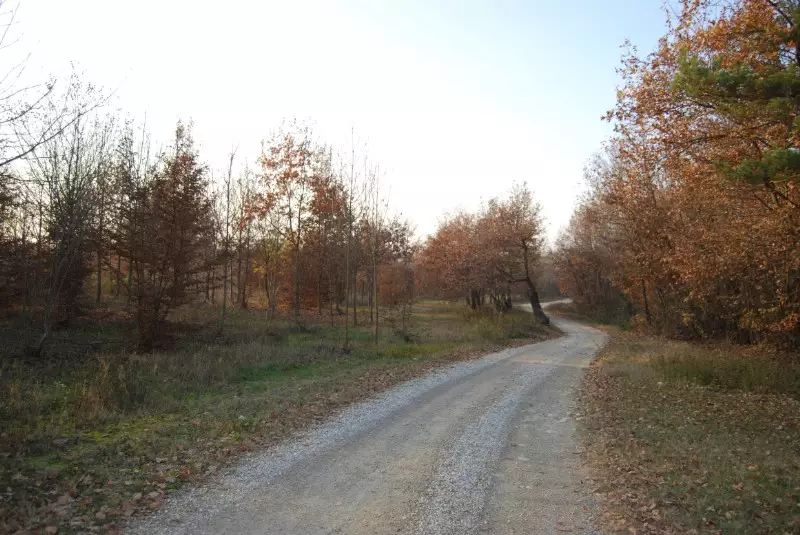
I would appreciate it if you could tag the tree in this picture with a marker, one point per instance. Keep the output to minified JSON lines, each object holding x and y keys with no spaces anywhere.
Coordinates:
{"x":325,"y":235}
{"x":131,"y":174}
{"x":695,"y":216}
{"x":66,"y":171}
{"x":449,"y":256}
{"x":169,"y":229}
{"x":288,"y":173}
{"x":483,"y":255}
{"x":350,"y":216}
{"x":226,"y":257}
{"x":244,"y":234}
{"x":519,"y":234}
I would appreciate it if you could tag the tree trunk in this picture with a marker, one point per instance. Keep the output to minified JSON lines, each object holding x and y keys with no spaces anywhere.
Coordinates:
{"x":533,"y":297}
{"x":99,"y":275}
{"x":644,"y":301}
{"x":319,"y":293}
{"x":118,"y":280}
{"x":130,"y":282}
{"x":224,"y":297}
{"x":363,"y":291}
{"x":297,"y":283}
{"x":331,"y":296}
{"x":355,"y":299}
{"x":375,"y":289}
{"x":232,"y":284}
{"x":346,"y":292}
{"x":246,"y":277}
{"x":212,"y":276}
{"x":99,"y":295}
{"x":371,"y":287}
{"x":238,"y":277}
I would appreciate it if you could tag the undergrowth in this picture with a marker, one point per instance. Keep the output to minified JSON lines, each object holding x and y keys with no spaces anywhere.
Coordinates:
{"x":93,"y":436}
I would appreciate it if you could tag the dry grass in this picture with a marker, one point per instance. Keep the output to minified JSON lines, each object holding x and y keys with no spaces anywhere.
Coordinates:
{"x":685,"y":438}
{"x":95,"y":436}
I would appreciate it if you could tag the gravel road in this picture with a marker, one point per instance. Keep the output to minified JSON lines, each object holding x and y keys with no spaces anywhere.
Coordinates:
{"x":485,"y":446}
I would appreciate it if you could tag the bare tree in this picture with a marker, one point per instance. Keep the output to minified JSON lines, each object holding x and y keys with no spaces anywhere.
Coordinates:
{"x":34,"y":114}
{"x":244,"y":233}
{"x":351,"y":176}
{"x":227,"y":244}
{"x":66,"y":169}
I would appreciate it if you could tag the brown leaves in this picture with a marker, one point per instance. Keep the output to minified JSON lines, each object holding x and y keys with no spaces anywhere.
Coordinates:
{"x":688,"y":459}
{"x":672,"y":227}
{"x":487,"y":252}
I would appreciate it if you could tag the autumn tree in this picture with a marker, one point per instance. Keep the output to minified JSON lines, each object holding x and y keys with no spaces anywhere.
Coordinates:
{"x":166,"y":232}
{"x":698,"y":205}
{"x":288,"y":172}
{"x":326,"y":235}
{"x":482,"y":255}
{"x":449,"y":259}
{"x":518,"y":234}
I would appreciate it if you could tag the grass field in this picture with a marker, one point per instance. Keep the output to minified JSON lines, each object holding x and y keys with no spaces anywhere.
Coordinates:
{"x":95,"y":433}
{"x":688,"y":438}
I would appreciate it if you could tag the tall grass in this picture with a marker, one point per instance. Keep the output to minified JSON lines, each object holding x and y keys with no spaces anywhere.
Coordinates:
{"x":62,"y":395}
{"x":728,"y":368}
{"x":105,"y":385}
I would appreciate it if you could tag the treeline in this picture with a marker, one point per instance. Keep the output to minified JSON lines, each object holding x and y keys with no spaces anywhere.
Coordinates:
{"x":89,"y":211}
{"x":691,"y":225}
{"x":488,"y":256}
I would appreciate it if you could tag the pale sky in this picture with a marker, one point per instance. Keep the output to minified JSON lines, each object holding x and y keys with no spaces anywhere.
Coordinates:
{"x":457,"y":99}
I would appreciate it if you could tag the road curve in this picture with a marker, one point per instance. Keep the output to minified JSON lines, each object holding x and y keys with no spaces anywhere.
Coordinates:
{"x":485,"y":446}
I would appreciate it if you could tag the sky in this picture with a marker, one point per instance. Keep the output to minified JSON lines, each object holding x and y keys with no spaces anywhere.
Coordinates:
{"x":456,"y":100}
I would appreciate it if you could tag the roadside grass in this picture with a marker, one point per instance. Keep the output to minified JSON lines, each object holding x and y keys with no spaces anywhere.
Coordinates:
{"x":688,"y":438}
{"x":90,"y":438}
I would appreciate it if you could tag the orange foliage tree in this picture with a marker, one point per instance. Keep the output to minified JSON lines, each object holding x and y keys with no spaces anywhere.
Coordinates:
{"x":696,"y":204}
{"x":484,"y":255}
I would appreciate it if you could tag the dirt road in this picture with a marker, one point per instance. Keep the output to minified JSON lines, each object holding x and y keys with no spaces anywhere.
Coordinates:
{"x":486,"y":446}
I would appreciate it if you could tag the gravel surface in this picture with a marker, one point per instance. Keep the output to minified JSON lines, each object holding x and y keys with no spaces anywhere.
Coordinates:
{"x":456,"y":496}
{"x":483,"y":446}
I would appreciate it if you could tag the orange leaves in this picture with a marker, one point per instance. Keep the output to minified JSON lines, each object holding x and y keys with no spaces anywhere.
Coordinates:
{"x":693,"y":219}
{"x":486,"y":252}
